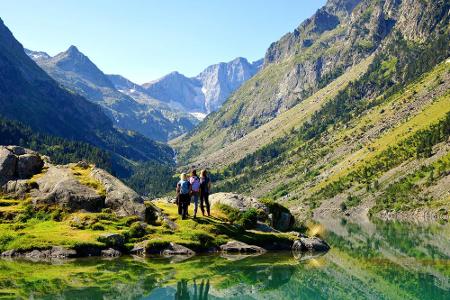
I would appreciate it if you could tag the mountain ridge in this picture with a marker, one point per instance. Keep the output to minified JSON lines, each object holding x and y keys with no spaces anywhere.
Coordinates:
{"x":207,"y":91}
{"x":77,"y":72}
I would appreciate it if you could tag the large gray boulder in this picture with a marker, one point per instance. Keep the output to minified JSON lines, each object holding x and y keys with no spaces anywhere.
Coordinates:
{"x":18,"y":163}
{"x":120,"y":198}
{"x":313,"y":244}
{"x":58,"y":186}
{"x":277,"y":216}
{"x":8,"y":165}
{"x":237,"y":201}
{"x":28,"y":165}
{"x":240,"y":247}
{"x":175,"y":249}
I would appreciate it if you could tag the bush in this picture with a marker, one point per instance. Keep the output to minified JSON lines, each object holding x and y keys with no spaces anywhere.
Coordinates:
{"x":248,"y":219}
{"x":136,"y":231}
{"x":98,"y":227}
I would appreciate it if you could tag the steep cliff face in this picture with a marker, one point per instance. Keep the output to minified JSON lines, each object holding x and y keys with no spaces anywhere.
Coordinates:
{"x":339,"y":36}
{"x":207,"y":91}
{"x":221,"y":80}
{"x":178,"y":90}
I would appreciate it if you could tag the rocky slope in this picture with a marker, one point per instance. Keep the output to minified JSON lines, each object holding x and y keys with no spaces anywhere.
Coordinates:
{"x":340,"y":35}
{"x":77,"y":72}
{"x":371,"y":138}
{"x":207,"y":91}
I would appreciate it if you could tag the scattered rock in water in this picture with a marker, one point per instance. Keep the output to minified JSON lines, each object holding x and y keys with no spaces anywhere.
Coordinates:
{"x":240,"y":247}
{"x":111,"y":253}
{"x":138,"y":249}
{"x":313,"y":244}
{"x":175,"y":249}
{"x":54,"y":252}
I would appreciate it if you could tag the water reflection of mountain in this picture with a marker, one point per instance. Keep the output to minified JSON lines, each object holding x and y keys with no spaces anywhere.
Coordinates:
{"x":367,"y":261}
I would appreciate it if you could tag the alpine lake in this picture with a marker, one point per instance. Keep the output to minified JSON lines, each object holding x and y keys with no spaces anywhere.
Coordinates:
{"x":367,"y":261}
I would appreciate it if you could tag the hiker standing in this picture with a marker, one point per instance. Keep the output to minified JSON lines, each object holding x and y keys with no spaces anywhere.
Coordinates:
{"x":195,"y":189}
{"x":205,"y":187}
{"x":183,"y":192}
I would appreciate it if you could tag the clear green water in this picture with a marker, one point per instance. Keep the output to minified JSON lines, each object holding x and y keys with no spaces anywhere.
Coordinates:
{"x":374,"y":261}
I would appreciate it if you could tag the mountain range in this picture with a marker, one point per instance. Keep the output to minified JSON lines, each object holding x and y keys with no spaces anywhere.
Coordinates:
{"x":349,"y":115}
{"x":162,"y":109}
{"x":150,"y":117}
{"x":207,"y":91}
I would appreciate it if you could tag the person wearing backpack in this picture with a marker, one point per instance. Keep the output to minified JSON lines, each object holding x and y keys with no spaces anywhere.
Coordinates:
{"x":205,"y":188}
{"x":195,"y":190}
{"x":184,"y":190}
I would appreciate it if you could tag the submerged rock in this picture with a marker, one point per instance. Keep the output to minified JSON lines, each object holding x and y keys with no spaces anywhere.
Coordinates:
{"x":313,"y":244}
{"x":240,"y":247}
{"x":111,"y":253}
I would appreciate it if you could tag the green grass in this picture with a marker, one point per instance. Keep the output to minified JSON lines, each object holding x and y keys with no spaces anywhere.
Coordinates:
{"x":84,"y":177}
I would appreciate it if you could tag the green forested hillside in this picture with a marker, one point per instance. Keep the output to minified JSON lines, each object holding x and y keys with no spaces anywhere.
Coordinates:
{"x":374,"y":140}
{"x":46,"y":110}
{"x":339,"y":36}
{"x":151,"y":178}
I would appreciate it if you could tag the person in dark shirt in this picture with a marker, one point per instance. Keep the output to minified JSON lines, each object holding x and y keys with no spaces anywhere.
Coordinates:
{"x":205,"y":188}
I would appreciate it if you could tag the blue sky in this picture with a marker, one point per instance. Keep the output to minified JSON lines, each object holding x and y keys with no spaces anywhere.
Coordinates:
{"x":144,"y":40}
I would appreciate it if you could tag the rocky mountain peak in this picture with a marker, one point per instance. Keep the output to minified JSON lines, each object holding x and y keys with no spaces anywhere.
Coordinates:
{"x":73,"y":60}
{"x":341,"y":7}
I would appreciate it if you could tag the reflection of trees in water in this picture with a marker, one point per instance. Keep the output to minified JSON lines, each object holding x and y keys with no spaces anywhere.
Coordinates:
{"x":200,"y":291}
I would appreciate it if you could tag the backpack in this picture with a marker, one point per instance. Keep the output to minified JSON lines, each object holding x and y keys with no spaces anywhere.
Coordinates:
{"x":195,"y":182}
{"x":184,"y":187}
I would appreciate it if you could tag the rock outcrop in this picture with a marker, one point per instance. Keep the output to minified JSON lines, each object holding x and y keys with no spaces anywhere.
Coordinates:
{"x":175,"y":249}
{"x":18,"y":163}
{"x":277,"y":216}
{"x":54,"y":252}
{"x":313,"y":244}
{"x":120,"y":198}
{"x":237,"y":201}
{"x":240,"y":247}
{"x":59,"y":186}
{"x":64,"y":186}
